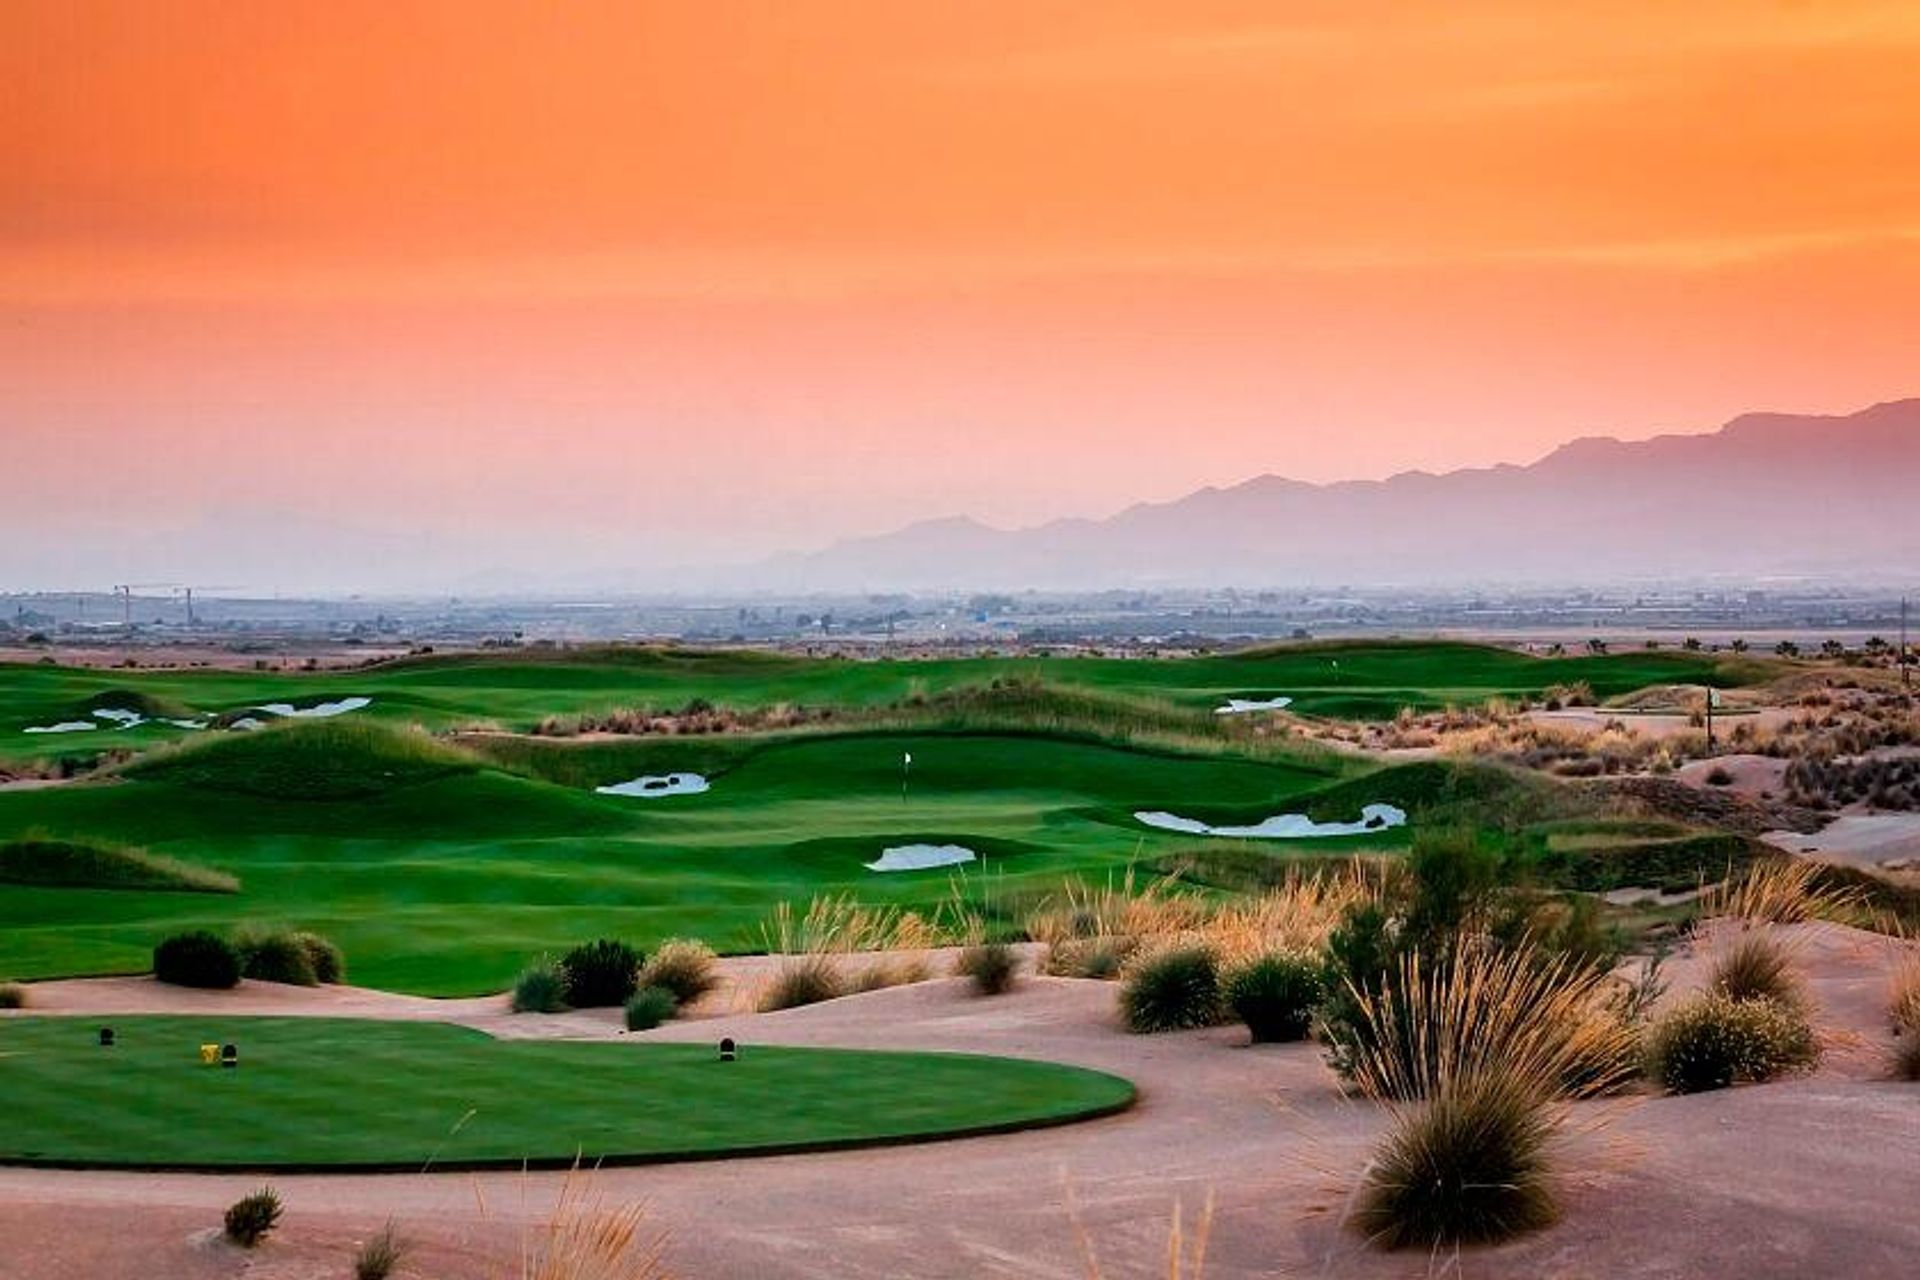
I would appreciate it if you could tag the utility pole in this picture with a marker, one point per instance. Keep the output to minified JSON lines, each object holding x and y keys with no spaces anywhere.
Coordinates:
{"x":1906,"y":668}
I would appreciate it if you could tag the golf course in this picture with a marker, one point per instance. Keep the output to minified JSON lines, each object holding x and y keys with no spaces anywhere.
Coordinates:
{"x":415,"y":819}
{"x":321,"y":1093}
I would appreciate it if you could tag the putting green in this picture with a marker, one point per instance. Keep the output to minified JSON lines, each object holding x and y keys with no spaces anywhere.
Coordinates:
{"x":322,"y":1093}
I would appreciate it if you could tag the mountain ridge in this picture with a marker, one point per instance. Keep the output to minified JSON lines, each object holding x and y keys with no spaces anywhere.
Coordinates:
{"x":1725,"y":502}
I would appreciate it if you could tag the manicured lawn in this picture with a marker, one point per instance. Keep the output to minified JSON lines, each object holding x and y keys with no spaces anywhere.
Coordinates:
{"x":444,"y":869}
{"x":337,"y":1092}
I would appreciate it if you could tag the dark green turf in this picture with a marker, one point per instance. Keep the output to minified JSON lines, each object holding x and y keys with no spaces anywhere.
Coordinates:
{"x":443,"y":869}
{"x":314,"y":1093}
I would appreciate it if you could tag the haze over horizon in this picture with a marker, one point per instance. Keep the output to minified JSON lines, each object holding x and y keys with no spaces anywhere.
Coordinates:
{"x":370,"y":296}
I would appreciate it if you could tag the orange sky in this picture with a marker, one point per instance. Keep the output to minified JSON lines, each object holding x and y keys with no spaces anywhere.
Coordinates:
{"x":630,"y":284}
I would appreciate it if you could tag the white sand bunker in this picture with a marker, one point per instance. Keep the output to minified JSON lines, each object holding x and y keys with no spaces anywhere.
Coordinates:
{"x":248,"y":722}
{"x":1242,"y":706}
{"x":65,"y":726}
{"x":662,"y":784}
{"x":125,"y":719}
{"x":319,"y":711}
{"x":1282,"y":826}
{"x":918,"y":857}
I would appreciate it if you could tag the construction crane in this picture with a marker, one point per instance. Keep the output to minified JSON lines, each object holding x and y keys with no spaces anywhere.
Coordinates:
{"x":188,"y":591}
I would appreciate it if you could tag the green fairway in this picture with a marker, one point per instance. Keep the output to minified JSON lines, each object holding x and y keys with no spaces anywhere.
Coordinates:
{"x":337,"y":1093}
{"x":442,"y":866}
{"x":514,"y":690}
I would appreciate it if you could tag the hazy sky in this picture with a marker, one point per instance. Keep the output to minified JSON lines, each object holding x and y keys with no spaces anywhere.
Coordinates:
{"x":362,"y":294}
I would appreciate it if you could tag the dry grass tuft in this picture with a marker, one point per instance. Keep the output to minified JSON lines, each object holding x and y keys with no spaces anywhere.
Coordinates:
{"x":1186,"y":1251}
{"x":1757,"y":966}
{"x":584,"y":1240}
{"x":1779,"y":891}
{"x":1552,"y":1025}
{"x":1903,"y":997}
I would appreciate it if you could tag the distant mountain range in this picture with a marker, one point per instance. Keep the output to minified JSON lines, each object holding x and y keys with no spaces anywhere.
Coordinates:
{"x":1767,"y":494}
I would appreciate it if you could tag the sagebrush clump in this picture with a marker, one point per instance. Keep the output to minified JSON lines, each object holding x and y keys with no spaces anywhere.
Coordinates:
{"x":1276,"y":995}
{"x":540,"y":988}
{"x":273,"y":955}
{"x":992,"y":966}
{"x":1172,"y":990}
{"x":804,"y":979}
{"x":1712,"y":1041}
{"x":1468,"y":1165}
{"x":648,"y":1007}
{"x":682,"y":966}
{"x":197,"y":959}
{"x":251,"y":1217}
{"x":601,"y":974}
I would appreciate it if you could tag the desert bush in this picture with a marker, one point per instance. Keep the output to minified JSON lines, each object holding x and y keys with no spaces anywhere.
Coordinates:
{"x":684,"y":967}
{"x":1469,"y":1165}
{"x":648,"y":1007}
{"x":540,"y":988}
{"x":328,"y":962}
{"x":601,"y":974}
{"x":1904,"y":1062}
{"x":804,"y":979}
{"x":1101,"y":958}
{"x":1711,"y":1041}
{"x":1172,"y":990}
{"x":1543,"y":1019}
{"x":992,"y":966}
{"x":1719,"y":777}
{"x":1903,"y":1000}
{"x":379,"y":1256}
{"x":197,"y":959}
{"x":1754,"y":966}
{"x":1275,"y":995}
{"x":274,"y":955}
{"x":251,"y":1217}
{"x":12,"y":996}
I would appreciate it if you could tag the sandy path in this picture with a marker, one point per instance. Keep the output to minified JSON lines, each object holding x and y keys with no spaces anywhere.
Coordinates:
{"x":1808,"y":1177}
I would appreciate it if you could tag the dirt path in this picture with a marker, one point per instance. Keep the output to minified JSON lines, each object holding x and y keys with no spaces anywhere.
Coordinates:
{"x":1788,"y":1180}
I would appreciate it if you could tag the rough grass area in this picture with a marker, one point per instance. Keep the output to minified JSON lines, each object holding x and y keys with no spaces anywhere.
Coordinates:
{"x":309,"y":760}
{"x":86,"y":864}
{"x":327,"y":1093}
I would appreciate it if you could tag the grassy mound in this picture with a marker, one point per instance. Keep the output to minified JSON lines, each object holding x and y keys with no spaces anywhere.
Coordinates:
{"x":310,"y":760}
{"x":320,"y":1093}
{"x":87,"y":864}
{"x":142,"y":703}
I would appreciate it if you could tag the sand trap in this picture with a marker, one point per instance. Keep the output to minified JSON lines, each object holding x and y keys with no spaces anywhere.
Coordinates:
{"x":1282,"y":826}
{"x":248,"y":722}
{"x":661,"y":784}
{"x":918,"y":857}
{"x":125,"y":719}
{"x":1242,"y":706}
{"x":189,"y":724}
{"x":65,"y":726}
{"x":319,"y":711}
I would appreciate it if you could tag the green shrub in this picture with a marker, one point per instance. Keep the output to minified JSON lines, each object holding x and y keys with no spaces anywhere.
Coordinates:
{"x":251,"y":1217}
{"x":1712,"y":1041}
{"x":328,"y":964}
{"x":540,"y":988}
{"x":12,"y":996}
{"x":1755,"y":967}
{"x":684,"y":967}
{"x":1172,"y":991}
{"x":992,"y":965}
{"x":1469,"y":1165}
{"x":601,"y":974}
{"x":379,"y":1256}
{"x":804,"y":979}
{"x":1275,"y":995}
{"x":197,"y":959}
{"x":274,"y":955}
{"x":648,"y":1007}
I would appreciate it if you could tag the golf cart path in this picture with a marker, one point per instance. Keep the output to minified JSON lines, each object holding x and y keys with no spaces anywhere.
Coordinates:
{"x":1814,"y":1176}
